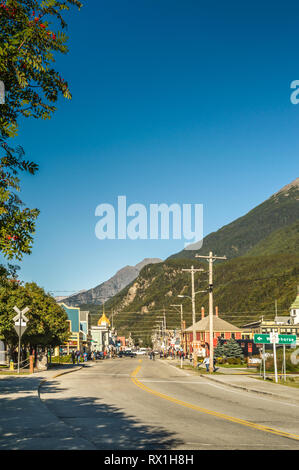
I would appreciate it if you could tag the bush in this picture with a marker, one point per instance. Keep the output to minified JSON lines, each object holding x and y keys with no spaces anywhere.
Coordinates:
{"x":61,"y":359}
{"x":234,"y":360}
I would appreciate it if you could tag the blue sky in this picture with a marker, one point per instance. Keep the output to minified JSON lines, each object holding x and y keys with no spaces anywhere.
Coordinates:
{"x":173,"y":101}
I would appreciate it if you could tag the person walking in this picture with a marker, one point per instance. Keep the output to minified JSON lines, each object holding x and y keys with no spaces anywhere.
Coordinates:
{"x":78,"y":357}
{"x":206,"y":362}
{"x":73,"y":357}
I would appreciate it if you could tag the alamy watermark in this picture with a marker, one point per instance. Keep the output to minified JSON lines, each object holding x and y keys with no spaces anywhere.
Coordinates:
{"x":157,"y":222}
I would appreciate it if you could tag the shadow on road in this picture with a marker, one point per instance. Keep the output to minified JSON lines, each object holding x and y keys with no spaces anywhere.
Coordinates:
{"x":106,"y":426}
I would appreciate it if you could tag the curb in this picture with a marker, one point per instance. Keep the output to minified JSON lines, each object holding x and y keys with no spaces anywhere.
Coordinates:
{"x":54,"y":377}
{"x":239,"y":387}
{"x":258,"y":392}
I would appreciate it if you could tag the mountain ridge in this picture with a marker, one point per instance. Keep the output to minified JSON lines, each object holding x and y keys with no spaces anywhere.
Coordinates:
{"x":107,"y":289}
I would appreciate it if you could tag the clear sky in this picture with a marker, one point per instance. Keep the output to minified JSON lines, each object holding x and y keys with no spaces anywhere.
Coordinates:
{"x":173,"y":101}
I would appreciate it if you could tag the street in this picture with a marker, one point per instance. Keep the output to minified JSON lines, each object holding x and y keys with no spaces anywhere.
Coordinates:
{"x":126,"y":404}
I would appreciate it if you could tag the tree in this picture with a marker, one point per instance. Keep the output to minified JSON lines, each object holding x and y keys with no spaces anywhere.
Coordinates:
{"x":47,"y":325}
{"x":219,"y":350}
{"x":17,"y":222}
{"x":27,"y":54}
{"x":232,"y":349}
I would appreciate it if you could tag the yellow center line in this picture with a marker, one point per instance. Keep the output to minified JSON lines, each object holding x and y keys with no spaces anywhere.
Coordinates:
{"x":260,"y":427}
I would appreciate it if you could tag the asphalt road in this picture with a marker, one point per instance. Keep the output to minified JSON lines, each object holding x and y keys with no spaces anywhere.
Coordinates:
{"x":142,"y":404}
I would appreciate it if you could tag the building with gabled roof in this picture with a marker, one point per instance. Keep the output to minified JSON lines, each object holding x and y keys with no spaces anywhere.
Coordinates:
{"x":222,"y":329}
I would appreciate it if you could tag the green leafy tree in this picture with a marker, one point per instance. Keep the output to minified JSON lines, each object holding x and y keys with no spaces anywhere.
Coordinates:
{"x":27,"y":54}
{"x":17,"y":222}
{"x":47,"y":324}
{"x":232,"y":349}
{"x":28,"y":46}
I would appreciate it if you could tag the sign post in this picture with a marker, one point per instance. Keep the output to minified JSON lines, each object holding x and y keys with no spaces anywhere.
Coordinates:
{"x":264,"y":361}
{"x":284,"y":363}
{"x":20,"y":327}
{"x":274,"y":341}
{"x":274,"y":338}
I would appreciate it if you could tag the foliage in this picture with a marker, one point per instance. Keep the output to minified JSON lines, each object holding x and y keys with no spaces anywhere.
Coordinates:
{"x":28,"y":48}
{"x":232,"y":349}
{"x":27,"y":54}
{"x":240,"y":236}
{"x":245,"y":288}
{"x":17,"y":222}
{"x":290,"y":367}
{"x":219,"y":350}
{"x":284,"y":240}
{"x":47,"y":325}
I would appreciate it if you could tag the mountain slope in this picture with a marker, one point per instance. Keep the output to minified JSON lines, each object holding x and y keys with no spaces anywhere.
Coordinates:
{"x":263,"y":265}
{"x":240,"y":236}
{"x":284,"y":240}
{"x":245,"y":289}
{"x":101,"y":293}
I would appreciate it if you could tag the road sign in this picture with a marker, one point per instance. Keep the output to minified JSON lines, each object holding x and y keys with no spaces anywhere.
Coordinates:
{"x":274,"y":337}
{"x":20,"y":330}
{"x":287,"y":339}
{"x":262,"y":339}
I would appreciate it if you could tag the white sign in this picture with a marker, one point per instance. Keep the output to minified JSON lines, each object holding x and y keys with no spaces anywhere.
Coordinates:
{"x":274,"y":337}
{"x":17,"y":323}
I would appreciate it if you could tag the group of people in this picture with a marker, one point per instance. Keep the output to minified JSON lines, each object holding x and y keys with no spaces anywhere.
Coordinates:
{"x":79,"y":356}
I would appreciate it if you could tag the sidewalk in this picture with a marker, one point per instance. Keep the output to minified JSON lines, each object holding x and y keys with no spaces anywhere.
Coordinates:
{"x":247,"y":382}
{"x":25,"y":421}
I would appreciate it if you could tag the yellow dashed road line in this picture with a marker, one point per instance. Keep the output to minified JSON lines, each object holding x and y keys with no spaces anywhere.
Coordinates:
{"x":232,"y":419}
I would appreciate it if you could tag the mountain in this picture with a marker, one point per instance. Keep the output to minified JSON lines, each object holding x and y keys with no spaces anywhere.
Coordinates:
{"x":101,"y":293}
{"x":262,"y":248}
{"x":242,"y":235}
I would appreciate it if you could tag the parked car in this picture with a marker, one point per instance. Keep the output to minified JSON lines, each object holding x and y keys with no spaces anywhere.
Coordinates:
{"x":141,"y":351}
{"x":130,"y":354}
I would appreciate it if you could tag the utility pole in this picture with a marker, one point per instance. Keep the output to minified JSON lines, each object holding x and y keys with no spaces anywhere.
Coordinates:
{"x":181,"y":311}
{"x":164,"y":319}
{"x":193,"y":271}
{"x":182,"y":319}
{"x":211,"y":258}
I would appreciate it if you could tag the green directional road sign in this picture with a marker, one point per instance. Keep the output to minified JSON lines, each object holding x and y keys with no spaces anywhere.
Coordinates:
{"x":262,"y":339}
{"x":286,"y":339}
{"x":282,"y":339}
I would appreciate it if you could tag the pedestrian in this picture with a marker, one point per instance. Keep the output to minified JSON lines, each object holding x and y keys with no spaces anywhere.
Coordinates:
{"x":78,"y":357}
{"x":73,"y":357}
{"x":206,"y":362}
{"x":153,"y":355}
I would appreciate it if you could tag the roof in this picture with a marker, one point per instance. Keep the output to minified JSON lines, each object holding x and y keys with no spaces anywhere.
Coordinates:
{"x":103,"y":319}
{"x":218,"y":325}
{"x":295,"y":304}
{"x":282,"y":319}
